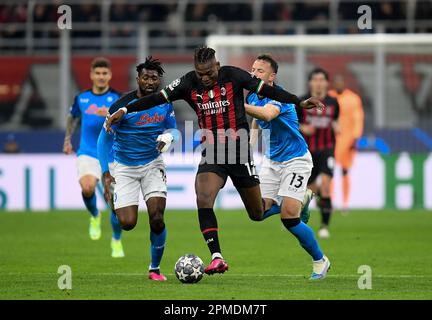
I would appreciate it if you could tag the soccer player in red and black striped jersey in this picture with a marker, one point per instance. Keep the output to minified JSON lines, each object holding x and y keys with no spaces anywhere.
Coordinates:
{"x":216,"y":95}
{"x":319,"y":128}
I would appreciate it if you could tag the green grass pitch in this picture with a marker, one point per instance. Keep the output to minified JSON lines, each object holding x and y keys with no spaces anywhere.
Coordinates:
{"x":265,"y":260}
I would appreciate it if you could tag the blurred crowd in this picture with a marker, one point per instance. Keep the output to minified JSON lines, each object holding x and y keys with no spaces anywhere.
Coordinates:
{"x":316,"y":13}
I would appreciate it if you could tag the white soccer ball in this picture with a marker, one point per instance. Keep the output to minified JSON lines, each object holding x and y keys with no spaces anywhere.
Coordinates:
{"x":189,"y":268}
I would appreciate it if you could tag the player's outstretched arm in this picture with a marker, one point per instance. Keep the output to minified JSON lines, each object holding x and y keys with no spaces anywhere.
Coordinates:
{"x":258,"y":86}
{"x":283,"y":96}
{"x":266,"y":113}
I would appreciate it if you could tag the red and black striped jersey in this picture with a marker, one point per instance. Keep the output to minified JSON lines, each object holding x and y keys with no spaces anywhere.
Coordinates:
{"x":324,"y":136}
{"x":220,"y":110}
{"x":221,"y":107}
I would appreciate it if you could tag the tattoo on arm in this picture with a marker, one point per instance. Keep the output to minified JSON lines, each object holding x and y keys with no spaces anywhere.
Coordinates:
{"x":71,"y":124}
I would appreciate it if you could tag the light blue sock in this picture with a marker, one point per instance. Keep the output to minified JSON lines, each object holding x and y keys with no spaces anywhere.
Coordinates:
{"x":274,"y":209}
{"x":305,"y":236}
{"x":90,"y":204}
{"x":157,"y":248}
{"x":115,"y":224}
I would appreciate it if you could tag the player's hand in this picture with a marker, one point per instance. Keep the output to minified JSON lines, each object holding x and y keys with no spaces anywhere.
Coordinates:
{"x":308,"y":129}
{"x":67,"y":147}
{"x":107,"y":180}
{"x":164,"y":142}
{"x":114,"y":118}
{"x":312,"y":102}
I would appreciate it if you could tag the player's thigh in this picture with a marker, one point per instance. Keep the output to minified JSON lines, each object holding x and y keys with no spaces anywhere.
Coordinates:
{"x":89,"y":172}
{"x":294,"y":178}
{"x":290,"y":208}
{"x":270,"y":180}
{"x":87,"y":165}
{"x":246,"y":181}
{"x":252,"y":200}
{"x":209,"y":180}
{"x":127,"y":186}
{"x":153,"y":180}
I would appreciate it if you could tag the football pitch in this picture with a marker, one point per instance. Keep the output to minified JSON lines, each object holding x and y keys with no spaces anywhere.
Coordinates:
{"x":265,"y":261}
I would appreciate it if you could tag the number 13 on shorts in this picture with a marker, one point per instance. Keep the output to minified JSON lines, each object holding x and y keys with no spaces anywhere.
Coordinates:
{"x":297,"y":180}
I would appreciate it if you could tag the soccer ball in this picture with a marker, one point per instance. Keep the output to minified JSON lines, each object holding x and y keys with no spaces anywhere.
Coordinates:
{"x":189,"y":268}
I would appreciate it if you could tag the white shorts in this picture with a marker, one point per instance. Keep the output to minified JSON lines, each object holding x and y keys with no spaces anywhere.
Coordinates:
{"x":88,"y":166}
{"x":149,"y":178}
{"x":285,"y":179}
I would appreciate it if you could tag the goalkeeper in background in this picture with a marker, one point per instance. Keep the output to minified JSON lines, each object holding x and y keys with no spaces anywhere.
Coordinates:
{"x":351,"y":118}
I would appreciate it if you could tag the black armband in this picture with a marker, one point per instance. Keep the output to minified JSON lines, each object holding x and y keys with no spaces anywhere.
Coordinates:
{"x":279,"y":95}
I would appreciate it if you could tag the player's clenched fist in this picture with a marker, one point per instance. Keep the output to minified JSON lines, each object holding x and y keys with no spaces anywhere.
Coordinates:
{"x":114,"y":118}
{"x":67,"y":146}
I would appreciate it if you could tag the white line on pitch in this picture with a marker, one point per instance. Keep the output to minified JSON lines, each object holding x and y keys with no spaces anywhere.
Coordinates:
{"x":127,"y":274}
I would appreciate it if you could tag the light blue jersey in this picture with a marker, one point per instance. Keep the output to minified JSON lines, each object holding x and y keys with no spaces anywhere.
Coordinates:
{"x":92,"y":108}
{"x":134,"y":140}
{"x":286,"y":141}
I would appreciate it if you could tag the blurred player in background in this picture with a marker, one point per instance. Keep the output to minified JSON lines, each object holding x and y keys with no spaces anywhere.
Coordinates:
{"x":215,"y":93}
{"x":287,"y":163}
{"x":319,"y":129}
{"x":351,"y":119}
{"x":137,"y":142}
{"x":90,"y":107}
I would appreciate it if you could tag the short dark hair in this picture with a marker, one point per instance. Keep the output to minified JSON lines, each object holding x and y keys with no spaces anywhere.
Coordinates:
{"x":151,"y":64}
{"x":318,"y":71}
{"x":100,"y":62}
{"x":204,"y":54}
{"x":268,"y":58}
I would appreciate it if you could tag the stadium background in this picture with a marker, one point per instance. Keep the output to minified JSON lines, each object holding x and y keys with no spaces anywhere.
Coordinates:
{"x":41,"y":68}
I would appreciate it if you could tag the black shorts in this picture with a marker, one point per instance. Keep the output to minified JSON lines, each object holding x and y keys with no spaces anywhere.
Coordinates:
{"x":323,"y":162}
{"x":242,"y":175}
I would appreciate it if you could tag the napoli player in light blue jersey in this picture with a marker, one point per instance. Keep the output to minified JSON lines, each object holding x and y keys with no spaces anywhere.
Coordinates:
{"x":90,"y":107}
{"x":137,"y":142}
{"x":287,"y":163}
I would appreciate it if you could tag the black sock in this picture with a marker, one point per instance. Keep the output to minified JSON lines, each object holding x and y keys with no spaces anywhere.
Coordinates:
{"x":326,"y":210}
{"x":209,"y":229}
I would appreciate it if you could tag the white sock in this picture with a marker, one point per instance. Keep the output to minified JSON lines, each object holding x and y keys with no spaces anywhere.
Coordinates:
{"x":216,"y":255}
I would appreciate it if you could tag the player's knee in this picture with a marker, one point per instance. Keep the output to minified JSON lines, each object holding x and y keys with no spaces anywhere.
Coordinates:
{"x":290,"y":210}
{"x":344,"y":172}
{"x":290,"y":213}
{"x":256,"y":214}
{"x":127,"y":223}
{"x":204,"y":199}
{"x":88,"y":190}
{"x":157,"y":223}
